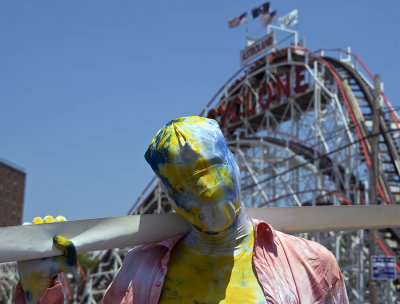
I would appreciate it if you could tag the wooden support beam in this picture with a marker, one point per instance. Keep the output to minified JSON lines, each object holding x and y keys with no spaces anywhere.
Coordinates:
{"x":35,"y":241}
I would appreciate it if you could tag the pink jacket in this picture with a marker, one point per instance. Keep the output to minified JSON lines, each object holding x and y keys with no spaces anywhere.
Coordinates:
{"x":290,"y":270}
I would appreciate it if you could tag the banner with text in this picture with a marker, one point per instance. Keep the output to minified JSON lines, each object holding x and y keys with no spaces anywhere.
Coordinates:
{"x":257,"y":48}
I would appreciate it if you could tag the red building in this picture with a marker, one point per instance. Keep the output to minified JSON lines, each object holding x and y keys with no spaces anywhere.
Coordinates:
{"x":12,"y":189}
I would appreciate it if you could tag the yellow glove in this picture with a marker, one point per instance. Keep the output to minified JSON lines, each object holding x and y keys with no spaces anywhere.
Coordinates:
{"x":37,"y":275}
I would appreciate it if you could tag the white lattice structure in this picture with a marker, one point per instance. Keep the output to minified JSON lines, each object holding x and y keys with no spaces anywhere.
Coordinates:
{"x":8,"y":281}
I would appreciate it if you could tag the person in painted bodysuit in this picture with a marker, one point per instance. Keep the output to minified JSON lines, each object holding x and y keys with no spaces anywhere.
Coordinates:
{"x":226,"y":257}
{"x":213,"y":263}
{"x":38,"y":276}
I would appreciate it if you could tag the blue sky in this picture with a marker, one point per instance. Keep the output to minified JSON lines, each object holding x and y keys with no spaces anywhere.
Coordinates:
{"x":84,"y":85}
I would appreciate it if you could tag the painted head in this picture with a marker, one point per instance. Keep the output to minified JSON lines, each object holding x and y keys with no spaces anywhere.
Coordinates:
{"x":197,"y":171}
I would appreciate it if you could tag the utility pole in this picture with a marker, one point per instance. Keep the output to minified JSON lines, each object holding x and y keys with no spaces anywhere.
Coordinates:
{"x":374,"y":179}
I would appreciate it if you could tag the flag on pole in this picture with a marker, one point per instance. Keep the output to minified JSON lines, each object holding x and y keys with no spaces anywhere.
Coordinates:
{"x":250,"y":41}
{"x":259,"y":10}
{"x":234,"y":22}
{"x":268,"y":18}
{"x":289,"y":19}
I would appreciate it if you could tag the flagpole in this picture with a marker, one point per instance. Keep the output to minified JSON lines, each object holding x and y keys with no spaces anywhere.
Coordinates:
{"x":247,"y":32}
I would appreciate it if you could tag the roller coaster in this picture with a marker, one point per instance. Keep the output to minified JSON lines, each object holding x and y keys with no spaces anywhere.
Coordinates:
{"x":300,"y":126}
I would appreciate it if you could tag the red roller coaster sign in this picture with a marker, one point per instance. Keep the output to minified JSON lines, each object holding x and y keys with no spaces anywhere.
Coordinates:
{"x":233,"y":111}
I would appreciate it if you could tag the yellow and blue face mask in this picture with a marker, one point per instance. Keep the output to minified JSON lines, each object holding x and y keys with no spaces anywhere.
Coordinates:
{"x":198,"y":172}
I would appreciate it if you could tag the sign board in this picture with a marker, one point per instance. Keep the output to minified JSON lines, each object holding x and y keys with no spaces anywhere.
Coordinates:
{"x":257,"y":47}
{"x":383,"y":267}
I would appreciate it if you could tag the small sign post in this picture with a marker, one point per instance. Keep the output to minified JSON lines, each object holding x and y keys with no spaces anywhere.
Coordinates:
{"x":383,"y":267}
